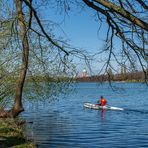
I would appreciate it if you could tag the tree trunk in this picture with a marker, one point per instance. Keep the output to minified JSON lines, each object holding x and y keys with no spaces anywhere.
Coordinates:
{"x":18,"y":106}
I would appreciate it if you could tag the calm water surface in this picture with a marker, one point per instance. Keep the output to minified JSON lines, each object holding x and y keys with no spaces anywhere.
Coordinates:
{"x":67,"y":124}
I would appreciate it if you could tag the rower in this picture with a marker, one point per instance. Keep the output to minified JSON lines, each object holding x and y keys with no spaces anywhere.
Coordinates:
{"x":102,"y":101}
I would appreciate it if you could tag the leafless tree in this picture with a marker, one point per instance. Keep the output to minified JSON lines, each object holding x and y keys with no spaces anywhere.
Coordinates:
{"x":127,"y":23}
{"x":28,"y":37}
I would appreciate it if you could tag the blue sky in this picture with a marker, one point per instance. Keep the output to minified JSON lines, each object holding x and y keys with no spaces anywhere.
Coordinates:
{"x":80,"y":27}
{"x":81,"y":30}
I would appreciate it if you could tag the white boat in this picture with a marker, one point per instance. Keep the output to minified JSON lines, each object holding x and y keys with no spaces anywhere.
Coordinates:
{"x":97,"y":107}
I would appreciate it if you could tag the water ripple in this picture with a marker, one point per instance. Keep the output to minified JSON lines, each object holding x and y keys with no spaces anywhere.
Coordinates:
{"x":66,"y":124}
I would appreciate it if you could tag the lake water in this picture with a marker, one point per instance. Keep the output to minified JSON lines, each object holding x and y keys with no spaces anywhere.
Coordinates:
{"x":67,"y":124}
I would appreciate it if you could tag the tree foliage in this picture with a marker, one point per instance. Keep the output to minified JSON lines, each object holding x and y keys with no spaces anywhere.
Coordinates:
{"x":30,"y":49}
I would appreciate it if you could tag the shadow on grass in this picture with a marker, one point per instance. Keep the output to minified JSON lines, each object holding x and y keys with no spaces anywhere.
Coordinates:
{"x":11,"y":141}
{"x":11,"y":135}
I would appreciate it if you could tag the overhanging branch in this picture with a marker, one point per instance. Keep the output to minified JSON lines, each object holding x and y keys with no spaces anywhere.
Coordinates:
{"x":124,"y":13}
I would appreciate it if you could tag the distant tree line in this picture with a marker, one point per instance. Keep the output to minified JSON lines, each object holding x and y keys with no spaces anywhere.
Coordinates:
{"x":137,"y":76}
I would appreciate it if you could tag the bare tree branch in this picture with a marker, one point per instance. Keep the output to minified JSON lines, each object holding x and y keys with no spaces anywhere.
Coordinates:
{"x":143,"y":4}
{"x":124,"y":13}
{"x":42,"y":28}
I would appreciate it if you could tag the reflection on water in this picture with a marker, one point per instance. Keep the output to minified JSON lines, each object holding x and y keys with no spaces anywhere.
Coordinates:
{"x":47,"y":125}
{"x":67,"y":124}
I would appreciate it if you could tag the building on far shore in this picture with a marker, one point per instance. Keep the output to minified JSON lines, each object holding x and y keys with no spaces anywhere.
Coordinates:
{"x":84,"y":73}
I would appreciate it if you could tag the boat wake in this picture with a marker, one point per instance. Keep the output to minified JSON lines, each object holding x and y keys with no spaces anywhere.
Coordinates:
{"x":136,"y":111}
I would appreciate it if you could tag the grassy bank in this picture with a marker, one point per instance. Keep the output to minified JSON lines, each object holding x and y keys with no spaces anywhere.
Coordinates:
{"x":11,"y":134}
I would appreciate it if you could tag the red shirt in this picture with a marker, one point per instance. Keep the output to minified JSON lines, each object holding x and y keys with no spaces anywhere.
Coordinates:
{"x":103,"y":102}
